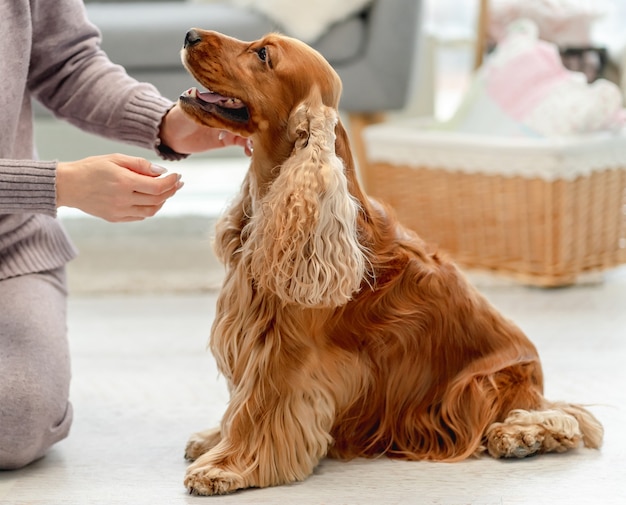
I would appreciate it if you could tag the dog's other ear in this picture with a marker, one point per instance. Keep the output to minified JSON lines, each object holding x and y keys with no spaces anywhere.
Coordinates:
{"x":303,"y":244}
{"x":299,"y":125}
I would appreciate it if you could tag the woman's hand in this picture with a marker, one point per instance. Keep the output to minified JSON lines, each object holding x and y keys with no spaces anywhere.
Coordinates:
{"x":115,"y":187}
{"x":182,"y":134}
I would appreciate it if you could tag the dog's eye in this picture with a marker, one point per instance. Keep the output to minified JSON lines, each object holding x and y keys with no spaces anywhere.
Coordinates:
{"x":262,"y":54}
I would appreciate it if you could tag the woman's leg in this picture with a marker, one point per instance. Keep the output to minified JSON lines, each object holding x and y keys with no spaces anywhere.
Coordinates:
{"x":34,"y":366}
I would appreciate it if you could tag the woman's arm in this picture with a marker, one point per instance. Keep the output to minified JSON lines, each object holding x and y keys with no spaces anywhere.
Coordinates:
{"x":113,"y":187}
{"x":74,"y":78}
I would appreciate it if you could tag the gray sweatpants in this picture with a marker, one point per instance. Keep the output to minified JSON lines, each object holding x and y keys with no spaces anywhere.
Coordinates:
{"x":34,"y":366}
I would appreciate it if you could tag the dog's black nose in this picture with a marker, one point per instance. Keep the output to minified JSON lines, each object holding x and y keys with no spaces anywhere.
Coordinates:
{"x":192,"y":38}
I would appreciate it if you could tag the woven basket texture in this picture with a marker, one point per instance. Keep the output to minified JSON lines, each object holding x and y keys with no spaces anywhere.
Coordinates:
{"x":544,"y":233}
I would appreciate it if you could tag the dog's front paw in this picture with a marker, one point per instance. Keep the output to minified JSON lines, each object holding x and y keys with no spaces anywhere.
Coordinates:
{"x":209,"y":480}
{"x":506,"y":441}
{"x":201,"y":443}
{"x":525,"y":433}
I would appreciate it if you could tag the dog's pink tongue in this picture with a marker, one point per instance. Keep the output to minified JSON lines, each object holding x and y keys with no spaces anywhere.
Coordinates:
{"x":210,"y":97}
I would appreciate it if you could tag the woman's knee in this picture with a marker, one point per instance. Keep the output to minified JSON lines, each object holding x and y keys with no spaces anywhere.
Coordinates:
{"x":34,"y":367}
{"x":33,"y":417}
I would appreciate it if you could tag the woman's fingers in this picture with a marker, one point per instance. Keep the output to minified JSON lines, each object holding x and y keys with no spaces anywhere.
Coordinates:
{"x":156,"y":186}
{"x":150,"y":200}
{"x":149,"y":195}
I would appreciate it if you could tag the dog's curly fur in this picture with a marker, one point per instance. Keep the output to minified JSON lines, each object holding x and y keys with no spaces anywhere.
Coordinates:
{"x":340,"y":332}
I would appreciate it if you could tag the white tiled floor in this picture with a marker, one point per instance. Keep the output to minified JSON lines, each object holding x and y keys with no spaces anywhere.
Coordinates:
{"x":143,"y":382}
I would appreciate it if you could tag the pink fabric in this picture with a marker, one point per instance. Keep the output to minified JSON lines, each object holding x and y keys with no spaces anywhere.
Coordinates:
{"x":526,"y":80}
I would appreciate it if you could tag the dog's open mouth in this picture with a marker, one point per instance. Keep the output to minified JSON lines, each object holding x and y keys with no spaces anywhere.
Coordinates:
{"x":227,"y":107}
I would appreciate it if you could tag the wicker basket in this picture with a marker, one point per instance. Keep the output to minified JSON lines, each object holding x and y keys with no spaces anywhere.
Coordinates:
{"x":542,"y":211}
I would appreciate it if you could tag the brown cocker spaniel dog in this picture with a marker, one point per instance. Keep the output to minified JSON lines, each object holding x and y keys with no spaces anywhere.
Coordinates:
{"x":340,"y":332}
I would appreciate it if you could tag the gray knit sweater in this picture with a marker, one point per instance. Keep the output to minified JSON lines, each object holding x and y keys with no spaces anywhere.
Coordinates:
{"x":49,"y":51}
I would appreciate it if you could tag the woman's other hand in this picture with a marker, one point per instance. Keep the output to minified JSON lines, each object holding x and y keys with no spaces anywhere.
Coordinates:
{"x":115,"y":187}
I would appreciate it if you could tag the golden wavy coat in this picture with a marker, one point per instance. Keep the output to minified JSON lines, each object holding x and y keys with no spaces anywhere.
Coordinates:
{"x":340,"y":332}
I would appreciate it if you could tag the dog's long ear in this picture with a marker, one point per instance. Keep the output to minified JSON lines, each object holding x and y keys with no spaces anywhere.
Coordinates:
{"x":303,"y":244}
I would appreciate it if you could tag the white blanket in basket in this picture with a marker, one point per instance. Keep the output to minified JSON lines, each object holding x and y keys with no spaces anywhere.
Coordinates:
{"x":523,"y":89}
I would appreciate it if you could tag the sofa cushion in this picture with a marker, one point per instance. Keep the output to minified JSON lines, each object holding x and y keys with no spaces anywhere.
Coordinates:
{"x":140,"y":36}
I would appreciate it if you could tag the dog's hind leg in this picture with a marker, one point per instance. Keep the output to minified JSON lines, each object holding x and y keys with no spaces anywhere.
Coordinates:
{"x":202,"y":442}
{"x":559,"y":428}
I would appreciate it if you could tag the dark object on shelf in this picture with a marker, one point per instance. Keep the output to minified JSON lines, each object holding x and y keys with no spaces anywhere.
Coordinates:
{"x":589,"y":60}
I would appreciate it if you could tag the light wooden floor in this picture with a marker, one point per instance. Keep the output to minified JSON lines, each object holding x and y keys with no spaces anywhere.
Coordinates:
{"x":143,"y":382}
